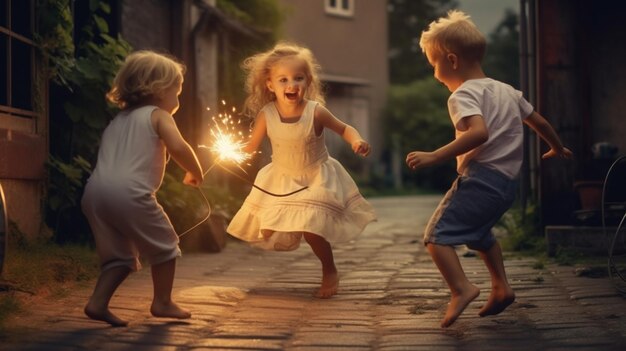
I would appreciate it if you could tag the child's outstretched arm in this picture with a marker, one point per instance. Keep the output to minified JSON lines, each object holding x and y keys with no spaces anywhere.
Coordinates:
{"x":180,"y":150}
{"x":259,"y":129}
{"x":346,"y":131}
{"x":476,"y":134}
{"x":543,"y":128}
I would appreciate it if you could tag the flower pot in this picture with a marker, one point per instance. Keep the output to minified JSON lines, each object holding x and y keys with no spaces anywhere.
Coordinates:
{"x":590,"y":194}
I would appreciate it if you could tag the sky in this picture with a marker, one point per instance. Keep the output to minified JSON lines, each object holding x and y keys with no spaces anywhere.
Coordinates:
{"x":487,"y":13}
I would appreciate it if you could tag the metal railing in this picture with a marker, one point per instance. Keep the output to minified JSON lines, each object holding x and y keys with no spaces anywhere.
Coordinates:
{"x":617,"y":247}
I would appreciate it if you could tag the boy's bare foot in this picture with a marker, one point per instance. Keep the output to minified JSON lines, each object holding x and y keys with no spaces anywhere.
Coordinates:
{"x":498,"y":301}
{"x":457,"y":305}
{"x":104,"y":315}
{"x":330,"y":284}
{"x":169,"y":310}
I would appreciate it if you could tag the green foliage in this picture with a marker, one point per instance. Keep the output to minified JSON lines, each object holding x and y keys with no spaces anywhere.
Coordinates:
{"x":417,"y":119}
{"x":264,"y":15}
{"x":502,"y":58}
{"x":522,"y":228}
{"x":407,"y":20}
{"x":82,"y":74}
{"x":54,"y":37}
{"x":66,"y":181}
{"x":264,"y":18}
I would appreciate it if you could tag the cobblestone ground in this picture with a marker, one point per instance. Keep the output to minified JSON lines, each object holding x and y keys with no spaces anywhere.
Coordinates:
{"x":391,"y":298}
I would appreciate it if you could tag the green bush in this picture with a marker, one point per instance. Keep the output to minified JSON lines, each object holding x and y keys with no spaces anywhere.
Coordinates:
{"x":416,"y":118}
{"x":522,"y":229}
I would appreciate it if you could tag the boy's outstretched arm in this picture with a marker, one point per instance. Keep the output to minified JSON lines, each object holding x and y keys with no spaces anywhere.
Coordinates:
{"x":476,"y":134}
{"x":543,"y":128}
{"x":176,"y":145}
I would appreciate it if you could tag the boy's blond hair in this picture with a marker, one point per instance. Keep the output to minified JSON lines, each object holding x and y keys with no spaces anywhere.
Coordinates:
{"x":455,"y":33}
{"x":258,"y":69}
{"x":144,"y":74}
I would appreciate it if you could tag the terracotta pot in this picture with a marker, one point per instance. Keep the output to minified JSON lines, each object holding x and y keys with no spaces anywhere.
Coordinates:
{"x":590,"y":193}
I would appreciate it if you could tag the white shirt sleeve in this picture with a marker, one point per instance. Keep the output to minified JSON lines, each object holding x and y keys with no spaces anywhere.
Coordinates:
{"x":463,"y":103}
{"x":525,"y":108}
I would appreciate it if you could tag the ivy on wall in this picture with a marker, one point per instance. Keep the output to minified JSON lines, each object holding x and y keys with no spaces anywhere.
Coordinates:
{"x":81,"y":64}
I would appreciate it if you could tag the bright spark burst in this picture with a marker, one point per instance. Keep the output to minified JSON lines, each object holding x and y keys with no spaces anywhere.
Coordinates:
{"x":227,"y":141}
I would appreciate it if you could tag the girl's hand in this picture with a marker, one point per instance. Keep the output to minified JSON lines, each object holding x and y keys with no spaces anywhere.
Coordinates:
{"x":420,"y":159}
{"x":191,"y":180}
{"x":361,"y":147}
{"x":564,"y":153}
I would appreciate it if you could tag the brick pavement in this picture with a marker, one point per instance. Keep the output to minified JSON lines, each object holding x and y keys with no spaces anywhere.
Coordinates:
{"x":391,"y":298}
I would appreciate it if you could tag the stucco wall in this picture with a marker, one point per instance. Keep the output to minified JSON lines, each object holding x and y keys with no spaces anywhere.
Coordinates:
{"x":347,"y":46}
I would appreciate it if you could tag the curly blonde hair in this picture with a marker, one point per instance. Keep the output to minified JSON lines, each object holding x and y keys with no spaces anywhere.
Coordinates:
{"x":144,"y":74}
{"x":455,"y":33}
{"x":258,"y":68}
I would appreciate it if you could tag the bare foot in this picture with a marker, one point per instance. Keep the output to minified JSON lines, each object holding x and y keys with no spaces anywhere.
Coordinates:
{"x":169,"y":310}
{"x":498,"y":301}
{"x":330,"y":284}
{"x":104,"y":315}
{"x":457,"y":305}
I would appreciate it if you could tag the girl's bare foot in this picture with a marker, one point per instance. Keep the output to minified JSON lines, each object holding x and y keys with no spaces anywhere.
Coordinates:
{"x":330,"y":284}
{"x":499,"y":300}
{"x":458,"y":303}
{"x":104,"y":315}
{"x":169,"y":310}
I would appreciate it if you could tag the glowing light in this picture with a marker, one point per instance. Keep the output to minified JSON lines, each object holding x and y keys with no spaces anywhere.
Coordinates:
{"x":227,"y":140}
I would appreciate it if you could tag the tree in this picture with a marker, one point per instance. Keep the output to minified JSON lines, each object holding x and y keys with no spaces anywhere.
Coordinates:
{"x":407,"y":20}
{"x":417,"y":119}
{"x":502,"y":58}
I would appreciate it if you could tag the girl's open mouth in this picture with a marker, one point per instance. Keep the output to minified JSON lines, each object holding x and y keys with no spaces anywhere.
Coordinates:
{"x":291,"y":96}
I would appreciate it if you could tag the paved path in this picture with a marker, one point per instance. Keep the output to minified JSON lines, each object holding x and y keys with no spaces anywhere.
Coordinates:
{"x":391,"y":298}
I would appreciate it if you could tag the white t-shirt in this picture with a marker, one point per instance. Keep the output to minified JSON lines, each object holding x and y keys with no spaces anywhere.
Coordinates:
{"x":503,"y":108}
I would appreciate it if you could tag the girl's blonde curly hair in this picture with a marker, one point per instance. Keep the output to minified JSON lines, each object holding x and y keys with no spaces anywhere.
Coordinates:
{"x":258,"y":68}
{"x":144,"y":74}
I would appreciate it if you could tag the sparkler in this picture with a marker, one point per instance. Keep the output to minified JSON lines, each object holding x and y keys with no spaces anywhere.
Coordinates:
{"x":227,"y":139}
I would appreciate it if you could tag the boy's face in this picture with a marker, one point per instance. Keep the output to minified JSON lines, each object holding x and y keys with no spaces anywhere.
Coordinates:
{"x":288,"y":81}
{"x":444,"y":66}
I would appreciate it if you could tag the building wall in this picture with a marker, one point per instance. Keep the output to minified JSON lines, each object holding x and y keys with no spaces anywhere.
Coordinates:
{"x":581,"y":84}
{"x":167,"y":26}
{"x":355,"y":47}
{"x":22,"y":159}
{"x":608,"y":73}
{"x":23,"y":120}
{"x":146,"y":24}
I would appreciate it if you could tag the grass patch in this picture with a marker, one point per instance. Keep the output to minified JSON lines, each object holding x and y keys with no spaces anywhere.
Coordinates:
{"x":48,"y":267}
{"x":9,"y":305}
{"x":42,"y":270}
{"x":521,"y":231}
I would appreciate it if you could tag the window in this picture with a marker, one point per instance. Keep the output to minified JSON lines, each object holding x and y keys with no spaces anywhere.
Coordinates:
{"x":343,"y":8}
{"x":17,"y":62}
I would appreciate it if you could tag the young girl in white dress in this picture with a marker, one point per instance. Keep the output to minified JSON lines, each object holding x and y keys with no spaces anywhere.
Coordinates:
{"x":284,"y":93}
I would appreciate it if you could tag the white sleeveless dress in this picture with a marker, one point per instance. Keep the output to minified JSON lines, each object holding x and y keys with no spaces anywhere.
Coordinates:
{"x":330,"y":207}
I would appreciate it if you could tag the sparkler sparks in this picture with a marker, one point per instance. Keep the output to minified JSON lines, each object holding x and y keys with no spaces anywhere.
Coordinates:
{"x":227,"y":141}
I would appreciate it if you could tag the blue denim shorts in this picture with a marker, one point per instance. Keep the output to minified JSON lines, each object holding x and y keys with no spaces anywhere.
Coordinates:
{"x":468,"y":211}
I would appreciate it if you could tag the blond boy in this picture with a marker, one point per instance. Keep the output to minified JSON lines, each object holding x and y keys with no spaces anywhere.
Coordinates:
{"x":488,"y":118}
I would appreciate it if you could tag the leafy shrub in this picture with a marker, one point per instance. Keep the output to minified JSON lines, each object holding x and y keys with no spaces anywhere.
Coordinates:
{"x":416,"y":118}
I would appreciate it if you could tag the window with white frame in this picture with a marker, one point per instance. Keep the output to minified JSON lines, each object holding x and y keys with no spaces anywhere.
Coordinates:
{"x":16,"y":62}
{"x":339,"y":7}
